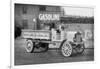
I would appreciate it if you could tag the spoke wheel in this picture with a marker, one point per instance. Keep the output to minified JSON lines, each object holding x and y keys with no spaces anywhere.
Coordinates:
{"x":80,"y":48}
{"x":66,"y":49}
{"x":29,"y":46}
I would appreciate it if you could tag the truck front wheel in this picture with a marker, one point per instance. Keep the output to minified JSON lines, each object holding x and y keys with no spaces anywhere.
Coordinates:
{"x":66,"y":49}
{"x":80,"y":48}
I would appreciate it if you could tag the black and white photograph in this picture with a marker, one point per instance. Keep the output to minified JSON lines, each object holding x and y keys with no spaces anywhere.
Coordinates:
{"x":52,"y":34}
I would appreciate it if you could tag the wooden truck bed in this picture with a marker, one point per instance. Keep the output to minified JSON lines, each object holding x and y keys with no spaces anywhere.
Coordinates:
{"x":36,"y":34}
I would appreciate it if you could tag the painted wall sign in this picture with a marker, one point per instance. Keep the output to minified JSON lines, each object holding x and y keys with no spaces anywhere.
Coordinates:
{"x":88,"y":34}
{"x":49,"y":17}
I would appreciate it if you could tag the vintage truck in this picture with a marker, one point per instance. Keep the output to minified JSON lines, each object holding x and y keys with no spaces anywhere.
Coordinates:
{"x":67,"y":40}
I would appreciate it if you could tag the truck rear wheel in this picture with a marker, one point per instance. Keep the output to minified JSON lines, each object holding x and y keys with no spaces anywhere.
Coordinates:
{"x":29,"y":47}
{"x":66,"y":49}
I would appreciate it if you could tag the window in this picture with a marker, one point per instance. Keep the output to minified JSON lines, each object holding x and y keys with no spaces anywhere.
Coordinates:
{"x":24,"y":10}
{"x":42,"y":8}
{"x":25,"y":24}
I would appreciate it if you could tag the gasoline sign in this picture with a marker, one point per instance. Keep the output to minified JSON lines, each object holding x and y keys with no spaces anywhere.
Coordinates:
{"x":50,"y":17}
